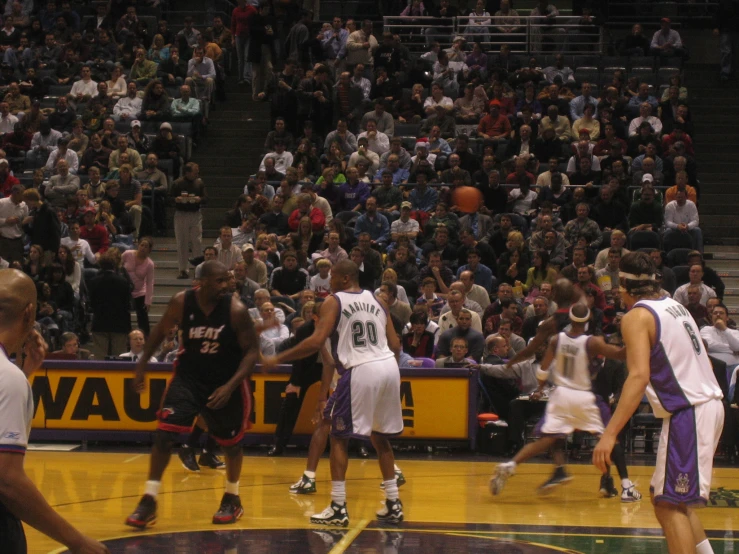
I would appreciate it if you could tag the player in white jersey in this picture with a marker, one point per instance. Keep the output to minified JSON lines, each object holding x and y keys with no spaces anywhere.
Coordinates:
{"x":667,"y":360}
{"x":366,"y":401}
{"x":572,"y":406}
{"x":20,"y":500}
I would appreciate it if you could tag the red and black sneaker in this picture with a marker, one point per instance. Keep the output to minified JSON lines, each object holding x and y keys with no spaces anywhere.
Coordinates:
{"x":145,"y":513}
{"x":230,"y":510}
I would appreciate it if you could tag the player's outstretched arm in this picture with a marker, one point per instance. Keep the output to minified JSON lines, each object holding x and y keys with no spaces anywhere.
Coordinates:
{"x":325,"y":325}
{"x":25,"y":501}
{"x":547,"y":328}
{"x":638,"y":330}
{"x":597,"y":346}
{"x":172,"y":316}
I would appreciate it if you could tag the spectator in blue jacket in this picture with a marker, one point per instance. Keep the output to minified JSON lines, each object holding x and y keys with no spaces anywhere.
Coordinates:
{"x":373,"y":223}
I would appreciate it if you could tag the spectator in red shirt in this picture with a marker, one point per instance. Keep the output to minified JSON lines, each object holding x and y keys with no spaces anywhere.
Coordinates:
{"x":305,"y":209}
{"x":94,"y":233}
{"x":7,"y":181}
{"x":678,"y":135}
{"x":240,"y":21}
{"x":494,"y":126}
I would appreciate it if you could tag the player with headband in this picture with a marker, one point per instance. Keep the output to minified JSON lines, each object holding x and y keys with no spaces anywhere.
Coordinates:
{"x":667,"y":360}
{"x":572,"y":406}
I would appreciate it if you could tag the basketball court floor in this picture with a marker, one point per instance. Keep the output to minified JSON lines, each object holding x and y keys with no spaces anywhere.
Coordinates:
{"x":447,"y":506}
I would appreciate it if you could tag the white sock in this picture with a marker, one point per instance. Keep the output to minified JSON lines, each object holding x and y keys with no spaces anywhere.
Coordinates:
{"x":152,"y":488}
{"x":391,"y":489}
{"x":232,"y":488}
{"x":511,"y":464}
{"x":310,"y":474}
{"x":626,"y":483}
{"x":338,"y":492}
{"x":703,"y":548}
{"x":397,"y":469}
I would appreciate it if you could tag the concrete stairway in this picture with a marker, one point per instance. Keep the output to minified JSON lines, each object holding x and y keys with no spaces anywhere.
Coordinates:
{"x":716,"y":134}
{"x":231,"y":152}
{"x":725,"y":260}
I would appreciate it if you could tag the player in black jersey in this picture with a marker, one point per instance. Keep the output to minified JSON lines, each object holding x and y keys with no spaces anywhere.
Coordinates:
{"x":218,"y":352}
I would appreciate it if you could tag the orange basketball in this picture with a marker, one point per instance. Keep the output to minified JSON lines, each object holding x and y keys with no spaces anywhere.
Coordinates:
{"x":467,"y":199}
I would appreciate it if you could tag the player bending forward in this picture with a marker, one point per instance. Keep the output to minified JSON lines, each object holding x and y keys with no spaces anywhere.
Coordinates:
{"x":666,"y":358}
{"x":218,"y":351}
{"x":366,"y":402}
{"x":572,"y":406}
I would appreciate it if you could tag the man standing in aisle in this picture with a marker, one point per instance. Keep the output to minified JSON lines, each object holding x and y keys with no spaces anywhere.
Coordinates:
{"x":189,"y":196}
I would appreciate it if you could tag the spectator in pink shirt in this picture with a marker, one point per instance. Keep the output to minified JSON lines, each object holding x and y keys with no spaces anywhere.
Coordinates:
{"x":140,"y":268}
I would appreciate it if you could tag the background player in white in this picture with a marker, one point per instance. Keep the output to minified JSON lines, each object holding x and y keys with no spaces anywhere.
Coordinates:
{"x":20,"y":500}
{"x":572,"y":405}
{"x":366,"y":402}
{"x":666,"y":358}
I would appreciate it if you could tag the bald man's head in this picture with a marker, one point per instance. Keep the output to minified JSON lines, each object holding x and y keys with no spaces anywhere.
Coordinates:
{"x":564,"y":293}
{"x":17,"y":306}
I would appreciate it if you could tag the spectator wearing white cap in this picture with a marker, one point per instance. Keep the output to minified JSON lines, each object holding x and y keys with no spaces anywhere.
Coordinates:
{"x":256,"y":269}
{"x":128,"y":107}
{"x":137,"y":139}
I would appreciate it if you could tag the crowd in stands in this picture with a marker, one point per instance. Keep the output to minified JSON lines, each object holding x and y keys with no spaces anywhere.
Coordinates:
{"x":101,"y":104}
{"x":368,"y":147}
{"x":370,"y":143}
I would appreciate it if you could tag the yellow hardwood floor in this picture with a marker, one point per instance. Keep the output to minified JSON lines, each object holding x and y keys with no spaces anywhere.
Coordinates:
{"x":96,"y":491}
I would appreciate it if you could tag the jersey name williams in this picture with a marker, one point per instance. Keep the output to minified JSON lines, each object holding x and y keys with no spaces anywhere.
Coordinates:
{"x":356,"y":307}
{"x":205,"y":332}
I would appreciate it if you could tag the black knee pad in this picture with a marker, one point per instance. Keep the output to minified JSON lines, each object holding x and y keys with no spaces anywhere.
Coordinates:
{"x":165,"y":439}
{"x":233,"y":450}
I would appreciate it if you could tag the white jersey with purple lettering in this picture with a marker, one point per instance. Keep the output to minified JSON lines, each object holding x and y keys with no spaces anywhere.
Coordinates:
{"x":681,"y":374}
{"x":360,"y":334}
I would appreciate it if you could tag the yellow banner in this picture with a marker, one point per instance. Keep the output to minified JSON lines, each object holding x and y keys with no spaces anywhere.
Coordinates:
{"x":94,"y":399}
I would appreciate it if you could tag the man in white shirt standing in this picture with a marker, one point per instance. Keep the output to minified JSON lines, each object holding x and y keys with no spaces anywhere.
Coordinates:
{"x":681,"y":216}
{"x":13,"y":211}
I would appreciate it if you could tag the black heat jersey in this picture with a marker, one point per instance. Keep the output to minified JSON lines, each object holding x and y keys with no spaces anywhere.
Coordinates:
{"x":210,"y":352}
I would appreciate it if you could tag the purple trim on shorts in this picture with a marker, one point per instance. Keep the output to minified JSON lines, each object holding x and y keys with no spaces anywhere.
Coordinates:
{"x":682,"y":475}
{"x":605,"y":409}
{"x":335,"y":341}
{"x":342,"y":426}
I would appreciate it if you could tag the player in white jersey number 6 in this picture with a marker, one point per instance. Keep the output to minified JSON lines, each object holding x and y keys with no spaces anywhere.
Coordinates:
{"x":666,"y":358}
{"x":366,"y":402}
